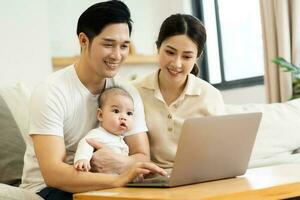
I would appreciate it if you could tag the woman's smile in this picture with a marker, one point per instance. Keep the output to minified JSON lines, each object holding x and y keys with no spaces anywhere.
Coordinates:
{"x":174,"y":71}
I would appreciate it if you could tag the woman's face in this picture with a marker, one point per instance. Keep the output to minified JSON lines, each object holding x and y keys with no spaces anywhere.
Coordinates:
{"x":177,"y":56}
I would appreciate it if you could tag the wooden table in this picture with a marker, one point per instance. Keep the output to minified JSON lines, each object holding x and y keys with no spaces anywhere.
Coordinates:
{"x":275,"y":182}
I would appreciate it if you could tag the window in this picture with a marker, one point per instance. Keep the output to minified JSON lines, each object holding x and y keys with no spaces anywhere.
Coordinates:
{"x":234,"y":50}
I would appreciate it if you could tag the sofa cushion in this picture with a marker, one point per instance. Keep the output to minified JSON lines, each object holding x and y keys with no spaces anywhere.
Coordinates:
{"x":8,"y":192}
{"x":17,"y":99}
{"x":13,"y":107}
{"x":279,"y":131}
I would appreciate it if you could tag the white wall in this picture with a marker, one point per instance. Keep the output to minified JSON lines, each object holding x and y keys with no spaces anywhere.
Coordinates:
{"x":34,"y":31}
{"x":24,"y":52}
{"x":147,"y":16}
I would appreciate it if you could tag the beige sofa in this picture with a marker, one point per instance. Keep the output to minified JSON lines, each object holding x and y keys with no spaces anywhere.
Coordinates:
{"x":277,"y":142}
{"x":278,"y":137}
{"x":14,"y":117}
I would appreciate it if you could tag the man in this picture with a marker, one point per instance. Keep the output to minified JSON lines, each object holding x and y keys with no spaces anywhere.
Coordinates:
{"x":63,"y":110}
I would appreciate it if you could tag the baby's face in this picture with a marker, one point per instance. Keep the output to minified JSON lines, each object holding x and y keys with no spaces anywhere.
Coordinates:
{"x":117,"y":114}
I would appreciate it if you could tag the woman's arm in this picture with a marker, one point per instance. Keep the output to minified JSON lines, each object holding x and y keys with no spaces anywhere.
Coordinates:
{"x":50,"y":152}
{"x":104,"y":160}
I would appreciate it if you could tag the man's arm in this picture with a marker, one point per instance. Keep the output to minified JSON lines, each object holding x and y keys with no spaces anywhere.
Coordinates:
{"x":104,"y":160}
{"x":50,"y":152}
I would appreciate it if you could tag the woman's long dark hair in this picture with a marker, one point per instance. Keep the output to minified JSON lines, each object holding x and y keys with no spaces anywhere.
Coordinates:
{"x":182,"y":24}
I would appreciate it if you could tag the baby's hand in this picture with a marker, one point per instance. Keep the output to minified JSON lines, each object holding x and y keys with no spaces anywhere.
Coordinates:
{"x":82,"y":165}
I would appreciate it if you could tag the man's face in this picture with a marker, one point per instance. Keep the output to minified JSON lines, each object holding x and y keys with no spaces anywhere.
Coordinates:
{"x":108,"y":50}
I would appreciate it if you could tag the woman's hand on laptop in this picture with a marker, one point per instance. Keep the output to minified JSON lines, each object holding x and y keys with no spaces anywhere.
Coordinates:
{"x":137,"y":170}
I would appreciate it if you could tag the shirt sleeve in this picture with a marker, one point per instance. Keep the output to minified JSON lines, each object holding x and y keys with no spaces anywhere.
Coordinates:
{"x":216,"y":106}
{"x":85,"y":150}
{"x":139,"y":124}
{"x":46,"y":111}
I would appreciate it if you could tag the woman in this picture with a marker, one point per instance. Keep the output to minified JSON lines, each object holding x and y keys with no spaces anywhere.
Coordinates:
{"x":174,"y":92}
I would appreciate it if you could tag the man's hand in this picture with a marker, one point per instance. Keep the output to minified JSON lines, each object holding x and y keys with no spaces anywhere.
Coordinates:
{"x":104,"y":160}
{"x":138,"y":169}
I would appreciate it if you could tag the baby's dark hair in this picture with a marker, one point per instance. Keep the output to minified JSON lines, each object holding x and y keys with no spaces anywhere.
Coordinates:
{"x":116,"y":90}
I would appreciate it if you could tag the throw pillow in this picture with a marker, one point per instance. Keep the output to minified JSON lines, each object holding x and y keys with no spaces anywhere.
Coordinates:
{"x":13,"y":123}
{"x":12,"y":147}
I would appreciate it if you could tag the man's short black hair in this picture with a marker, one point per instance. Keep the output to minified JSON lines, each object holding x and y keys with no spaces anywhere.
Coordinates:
{"x":96,"y":17}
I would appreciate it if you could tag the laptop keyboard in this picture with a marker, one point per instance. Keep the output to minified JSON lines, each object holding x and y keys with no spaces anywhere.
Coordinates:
{"x":157,"y":179}
{"x":153,"y":179}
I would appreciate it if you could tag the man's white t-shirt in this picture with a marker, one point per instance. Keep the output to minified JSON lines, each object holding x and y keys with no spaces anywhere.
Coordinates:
{"x":114,"y":142}
{"x":63,"y":106}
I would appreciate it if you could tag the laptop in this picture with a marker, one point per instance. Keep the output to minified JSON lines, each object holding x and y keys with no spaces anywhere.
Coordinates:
{"x":210,"y":148}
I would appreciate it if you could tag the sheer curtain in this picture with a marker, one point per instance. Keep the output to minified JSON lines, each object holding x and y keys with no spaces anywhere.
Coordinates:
{"x":281,"y":35}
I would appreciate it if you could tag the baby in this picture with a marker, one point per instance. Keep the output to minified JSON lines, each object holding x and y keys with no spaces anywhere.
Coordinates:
{"x":115,"y":115}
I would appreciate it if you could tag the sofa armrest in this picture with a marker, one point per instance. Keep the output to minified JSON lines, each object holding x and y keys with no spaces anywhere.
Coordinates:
{"x":278,"y":133}
{"x":276,"y":160}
